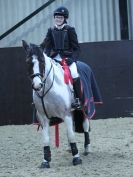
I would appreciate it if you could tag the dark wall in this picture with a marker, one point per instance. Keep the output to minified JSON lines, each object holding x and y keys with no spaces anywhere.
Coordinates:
{"x":15,"y":90}
{"x":111,"y":62}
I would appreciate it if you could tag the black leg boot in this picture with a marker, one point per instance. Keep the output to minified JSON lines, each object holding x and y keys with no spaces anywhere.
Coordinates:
{"x":77,"y":93}
{"x":76,"y":159}
{"x":47,"y":157}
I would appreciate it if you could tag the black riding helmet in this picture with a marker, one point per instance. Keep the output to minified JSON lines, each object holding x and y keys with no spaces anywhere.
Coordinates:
{"x":63,"y":11}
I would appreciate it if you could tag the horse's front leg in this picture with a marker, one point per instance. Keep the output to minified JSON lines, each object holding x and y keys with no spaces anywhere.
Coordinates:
{"x":86,"y":126}
{"x":46,"y":142}
{"x":71,"y":138}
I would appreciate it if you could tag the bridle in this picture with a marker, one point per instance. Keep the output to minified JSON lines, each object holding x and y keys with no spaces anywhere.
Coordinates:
{"x":41,"y":92}
{"x":35,"y":75}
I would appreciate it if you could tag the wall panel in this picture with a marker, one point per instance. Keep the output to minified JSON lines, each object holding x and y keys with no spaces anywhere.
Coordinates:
{"x":94,"y":20}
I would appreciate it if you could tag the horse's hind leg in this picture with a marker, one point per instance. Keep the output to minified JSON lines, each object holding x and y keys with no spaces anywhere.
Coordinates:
{"x":71,"y":139}
{"x":86,"y":127}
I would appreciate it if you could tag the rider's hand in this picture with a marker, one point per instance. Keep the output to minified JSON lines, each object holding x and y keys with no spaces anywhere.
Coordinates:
{"x":69,"y":61}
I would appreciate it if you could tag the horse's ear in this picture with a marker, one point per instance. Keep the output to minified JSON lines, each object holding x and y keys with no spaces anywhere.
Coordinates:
{"x":25,"y":45}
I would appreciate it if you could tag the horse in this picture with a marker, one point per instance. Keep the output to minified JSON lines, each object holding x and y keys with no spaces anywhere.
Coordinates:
{"x":53,"y":98}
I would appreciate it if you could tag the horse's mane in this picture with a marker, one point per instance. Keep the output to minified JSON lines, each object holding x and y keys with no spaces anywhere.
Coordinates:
{"x":56,"y":65}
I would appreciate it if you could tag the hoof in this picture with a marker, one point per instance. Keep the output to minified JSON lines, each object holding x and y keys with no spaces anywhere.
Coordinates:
{"x":45,"y":165}
{"x":77,"y":161}
{"x":85,"y":153}
{"x":87,"y":150}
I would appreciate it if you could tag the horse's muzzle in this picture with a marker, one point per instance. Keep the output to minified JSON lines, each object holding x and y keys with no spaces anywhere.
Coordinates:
{"x":37,"y":88}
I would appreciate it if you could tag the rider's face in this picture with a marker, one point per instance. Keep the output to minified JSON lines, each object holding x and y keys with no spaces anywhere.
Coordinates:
{"x":59,"y":20}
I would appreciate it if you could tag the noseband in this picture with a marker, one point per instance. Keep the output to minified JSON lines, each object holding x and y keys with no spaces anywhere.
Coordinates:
{"x":35,"y":75}
{"x":32,"y":76}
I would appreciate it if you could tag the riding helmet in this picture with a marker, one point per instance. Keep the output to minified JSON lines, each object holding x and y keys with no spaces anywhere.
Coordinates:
{"x":63,"y":11}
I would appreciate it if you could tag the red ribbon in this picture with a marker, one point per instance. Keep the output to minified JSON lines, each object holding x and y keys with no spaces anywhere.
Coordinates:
{"x":57,"y":135}
{"x":67,"y":73}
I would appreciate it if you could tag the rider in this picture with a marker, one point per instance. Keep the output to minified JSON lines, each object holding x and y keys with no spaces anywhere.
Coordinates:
{"x":61,"y":42}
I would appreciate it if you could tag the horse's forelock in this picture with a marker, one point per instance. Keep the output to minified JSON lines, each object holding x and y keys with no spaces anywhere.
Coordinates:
{"x":37,"y":50}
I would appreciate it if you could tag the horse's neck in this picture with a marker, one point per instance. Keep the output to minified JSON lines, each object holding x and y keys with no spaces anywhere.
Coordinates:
{"x":48,"y":64}
{"x":56,"y":70}
{"x":55,"y":82}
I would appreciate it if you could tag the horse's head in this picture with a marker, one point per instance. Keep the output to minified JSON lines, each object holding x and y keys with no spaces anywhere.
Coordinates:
{"x":36,"y":64}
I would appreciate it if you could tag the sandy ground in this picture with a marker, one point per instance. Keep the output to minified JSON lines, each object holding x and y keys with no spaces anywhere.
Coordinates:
{"x":112,"y":151}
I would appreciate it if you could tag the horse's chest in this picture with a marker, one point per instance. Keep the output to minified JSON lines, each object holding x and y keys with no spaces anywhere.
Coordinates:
{"x":54,"y":105}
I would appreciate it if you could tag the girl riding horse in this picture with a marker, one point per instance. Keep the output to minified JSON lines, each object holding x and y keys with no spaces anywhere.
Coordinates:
{"x":61,"y":43}
{"x":51,"y":95}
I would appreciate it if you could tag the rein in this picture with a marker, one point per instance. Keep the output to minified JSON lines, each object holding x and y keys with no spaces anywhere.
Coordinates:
{"x":44,"y":93}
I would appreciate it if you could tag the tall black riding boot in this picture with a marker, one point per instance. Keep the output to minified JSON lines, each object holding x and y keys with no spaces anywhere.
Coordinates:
{"x":77,"y":93}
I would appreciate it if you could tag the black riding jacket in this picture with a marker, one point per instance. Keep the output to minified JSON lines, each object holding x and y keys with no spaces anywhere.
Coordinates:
{"x":61,"y":41}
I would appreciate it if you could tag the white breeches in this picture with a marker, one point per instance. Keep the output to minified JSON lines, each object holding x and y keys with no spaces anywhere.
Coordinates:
{"x":72,"y":67}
